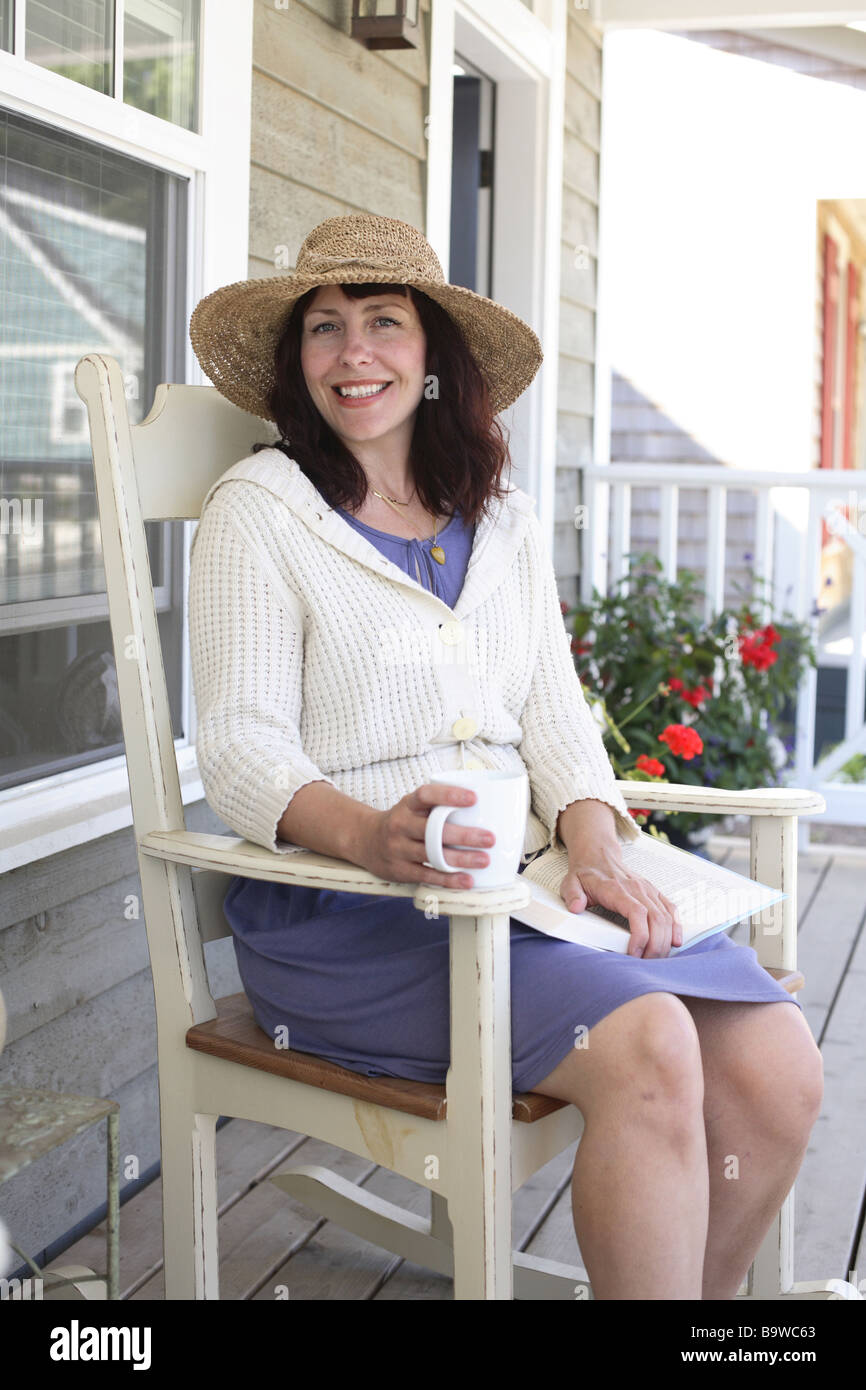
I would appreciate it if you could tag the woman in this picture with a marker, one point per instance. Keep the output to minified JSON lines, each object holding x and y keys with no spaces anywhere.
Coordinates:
{"x":369,"y":605}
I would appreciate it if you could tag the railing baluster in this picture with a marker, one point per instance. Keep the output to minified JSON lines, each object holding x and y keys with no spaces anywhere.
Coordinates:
{"x":763,"y":554}
{"x":593,"y":565}
{"x":855,"y":689}
{"x":804,"y":747}
{"x":717,"y":497}
{"x":620,"y":533}
{"x":668,"y":529}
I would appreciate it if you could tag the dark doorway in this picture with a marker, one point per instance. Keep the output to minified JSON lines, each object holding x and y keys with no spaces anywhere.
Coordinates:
{"x":472,"y":180}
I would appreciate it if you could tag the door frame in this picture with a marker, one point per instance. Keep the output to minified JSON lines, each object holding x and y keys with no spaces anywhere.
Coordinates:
{"x":524,"y":53}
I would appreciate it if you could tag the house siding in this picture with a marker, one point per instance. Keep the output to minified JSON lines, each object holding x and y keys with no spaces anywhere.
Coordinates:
{"x":578,"y":288}
{"x":313,"y":154}
{"x":81,"y":1020}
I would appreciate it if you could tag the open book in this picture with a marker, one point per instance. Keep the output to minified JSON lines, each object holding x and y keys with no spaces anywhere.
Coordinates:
{"x":709,"y":898}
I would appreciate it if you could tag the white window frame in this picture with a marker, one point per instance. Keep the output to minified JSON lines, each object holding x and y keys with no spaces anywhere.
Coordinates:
{"x":56,"y":813}
{"x":524,"y":52}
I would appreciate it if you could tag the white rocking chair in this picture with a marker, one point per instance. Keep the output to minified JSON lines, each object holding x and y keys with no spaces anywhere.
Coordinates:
{"x":471,"y":1142}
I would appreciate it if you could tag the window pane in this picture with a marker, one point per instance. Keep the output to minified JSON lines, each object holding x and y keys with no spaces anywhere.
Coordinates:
{"x":160,"y":58}
{"x":7,"y":24}
{"x":74,"y":38}
{"x":92,"y":258}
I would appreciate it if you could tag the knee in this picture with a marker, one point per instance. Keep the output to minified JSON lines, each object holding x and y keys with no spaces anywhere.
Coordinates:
{"x":783,"y":1087}
{"x":665,"y":1079}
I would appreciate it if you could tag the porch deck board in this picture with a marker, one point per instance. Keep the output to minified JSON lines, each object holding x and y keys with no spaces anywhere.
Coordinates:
{"x":271,"y":1244}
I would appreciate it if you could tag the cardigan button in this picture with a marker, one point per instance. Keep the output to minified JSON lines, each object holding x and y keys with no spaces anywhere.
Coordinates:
{"x":464,"y":728}
{"x":451,"y":632}
{"x":474,"y":765}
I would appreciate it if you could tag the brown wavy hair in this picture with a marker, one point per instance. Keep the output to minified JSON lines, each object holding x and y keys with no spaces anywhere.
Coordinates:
{"x":458,"y":450}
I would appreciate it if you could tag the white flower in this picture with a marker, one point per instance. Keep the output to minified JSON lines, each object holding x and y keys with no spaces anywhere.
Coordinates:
{"x":598,"y":715}
{"x":778,"y":751}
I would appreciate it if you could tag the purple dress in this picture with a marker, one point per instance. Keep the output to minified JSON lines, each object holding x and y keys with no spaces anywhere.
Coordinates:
{"x":364,"y":981}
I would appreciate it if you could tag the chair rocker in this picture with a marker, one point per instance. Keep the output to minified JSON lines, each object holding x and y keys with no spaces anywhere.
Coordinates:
{"x":471,"y":1142}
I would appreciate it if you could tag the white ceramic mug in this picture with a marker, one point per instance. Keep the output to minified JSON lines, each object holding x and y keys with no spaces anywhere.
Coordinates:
{"x":501,"y":806}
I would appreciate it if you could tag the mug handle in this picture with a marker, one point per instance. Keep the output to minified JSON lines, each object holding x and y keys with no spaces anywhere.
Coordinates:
{"x":433,"y":839}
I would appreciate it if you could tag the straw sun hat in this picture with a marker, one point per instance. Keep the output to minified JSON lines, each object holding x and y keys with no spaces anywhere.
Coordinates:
{"x":235,"y":330}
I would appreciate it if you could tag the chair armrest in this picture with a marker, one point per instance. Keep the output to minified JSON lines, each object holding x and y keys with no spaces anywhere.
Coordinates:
{"x":230,"y":854}
{"x":750,"y":801}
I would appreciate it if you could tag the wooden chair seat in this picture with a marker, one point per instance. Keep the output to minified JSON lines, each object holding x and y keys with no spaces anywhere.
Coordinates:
{"x":235,"y":1036}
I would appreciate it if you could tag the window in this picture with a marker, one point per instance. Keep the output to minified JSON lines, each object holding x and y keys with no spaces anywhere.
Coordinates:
{"x":160,"y":59}
{"x":92,"y":257}
{"x":119,"y":209}
{"x":7,"y":19}
{"x":77,"y":39}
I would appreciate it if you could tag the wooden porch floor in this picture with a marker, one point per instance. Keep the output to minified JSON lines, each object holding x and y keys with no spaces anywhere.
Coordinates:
{"x":267,"y":1239}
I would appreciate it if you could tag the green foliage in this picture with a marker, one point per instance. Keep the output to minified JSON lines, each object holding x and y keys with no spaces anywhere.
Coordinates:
{"x":852,"y":771}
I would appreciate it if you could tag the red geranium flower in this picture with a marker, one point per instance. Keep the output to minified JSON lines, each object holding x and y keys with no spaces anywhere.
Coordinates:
{"x":692,"y":697}
{"x":697,"y":696}
{"x":683,"y":741}
{"x":756,"y":647}
{"x":650,"y":765}
{"x":633,"y":812}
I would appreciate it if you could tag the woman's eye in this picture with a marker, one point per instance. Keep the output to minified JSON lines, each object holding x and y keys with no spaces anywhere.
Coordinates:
{"x":383,"y":318}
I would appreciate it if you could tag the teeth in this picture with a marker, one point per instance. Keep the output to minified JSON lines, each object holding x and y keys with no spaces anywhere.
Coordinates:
{"x":353,"y":391}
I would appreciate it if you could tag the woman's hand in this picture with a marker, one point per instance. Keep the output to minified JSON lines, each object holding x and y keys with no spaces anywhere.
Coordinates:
{"x":392,"y":842}
{"x":600,"y":877}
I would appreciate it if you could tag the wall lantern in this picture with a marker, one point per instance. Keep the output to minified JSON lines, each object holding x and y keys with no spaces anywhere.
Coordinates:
{"x":386,"y":23}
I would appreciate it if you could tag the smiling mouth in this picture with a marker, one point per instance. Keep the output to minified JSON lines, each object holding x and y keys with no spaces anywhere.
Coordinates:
{"x":360,"y":393}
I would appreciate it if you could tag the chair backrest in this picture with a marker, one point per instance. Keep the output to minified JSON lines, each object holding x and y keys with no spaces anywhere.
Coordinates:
{"x":158,"y":470}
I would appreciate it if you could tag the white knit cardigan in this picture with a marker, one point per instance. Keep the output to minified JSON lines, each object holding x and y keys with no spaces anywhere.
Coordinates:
{"x":315,"y":658}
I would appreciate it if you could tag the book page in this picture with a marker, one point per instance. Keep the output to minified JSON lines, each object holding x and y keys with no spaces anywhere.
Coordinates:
{"x":546,"y":912}
{"x":706,"y":895}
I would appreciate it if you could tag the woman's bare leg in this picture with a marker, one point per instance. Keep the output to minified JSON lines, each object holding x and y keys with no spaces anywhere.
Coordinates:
{"x":640,"y":1188}
{"x":763,"y":1085}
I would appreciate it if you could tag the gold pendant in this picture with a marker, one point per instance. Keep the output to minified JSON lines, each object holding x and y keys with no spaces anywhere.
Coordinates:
{"x":438,"y":554}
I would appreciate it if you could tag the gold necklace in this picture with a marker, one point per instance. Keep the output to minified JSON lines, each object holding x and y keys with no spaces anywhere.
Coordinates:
{"x":437,"y":552}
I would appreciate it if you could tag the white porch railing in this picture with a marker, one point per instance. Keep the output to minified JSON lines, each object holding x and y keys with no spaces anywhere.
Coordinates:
{"x":786,"y":549}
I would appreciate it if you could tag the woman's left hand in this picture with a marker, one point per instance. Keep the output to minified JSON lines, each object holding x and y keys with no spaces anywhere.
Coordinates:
{"x":601,"y":878}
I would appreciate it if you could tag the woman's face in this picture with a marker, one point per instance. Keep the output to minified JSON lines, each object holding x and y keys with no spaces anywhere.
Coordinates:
{"x":377,"y":344}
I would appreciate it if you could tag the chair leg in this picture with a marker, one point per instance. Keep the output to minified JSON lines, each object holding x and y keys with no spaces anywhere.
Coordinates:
{"x":189,"y":1203}
{"x":772,"y":1271}
{"x":478,"y":1089}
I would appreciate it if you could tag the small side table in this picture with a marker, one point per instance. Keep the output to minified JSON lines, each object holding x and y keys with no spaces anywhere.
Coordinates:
{"x":32,"y":1123}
